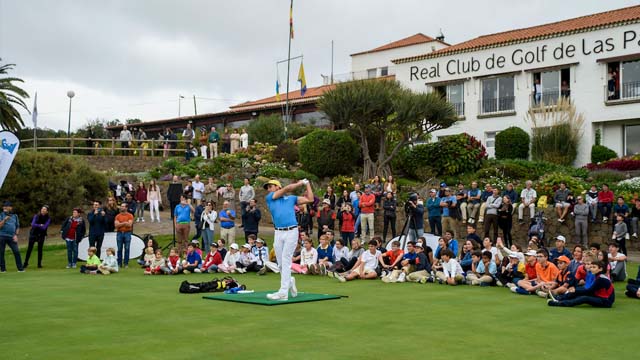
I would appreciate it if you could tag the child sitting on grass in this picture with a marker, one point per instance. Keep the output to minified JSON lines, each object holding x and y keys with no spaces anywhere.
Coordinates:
{"x":148,"y":257}
{"x":213,"y":259}
{"x":93,"y":262}
{"x":451,"y":273}
{"x":229,"y":263}
{"x":156,"y":265}
{"x":193,"y":260}
{"x":422,"y":266}
{"x":308,"y":258}
{"x":365,"y":267}
{"x":173,"y":265}
{"x":601,"y":294}
{"x":110,"y":263}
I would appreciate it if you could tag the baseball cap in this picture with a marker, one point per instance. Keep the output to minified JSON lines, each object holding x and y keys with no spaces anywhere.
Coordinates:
{"x":260,"y":241}
{"x":530,"y":253}
{"x":214,"y":244}
{"x":514,"y":255}
{"x":433,"y":191}
{"x":561,"y":238}
{"x":443,"y":184}
{"x":246,"y":246}
{"x":271,"y":182}
{"x":7,"y":203}
{"x":419,"y":245}
{"x":234,"y":246}
{"x":195,"y":242}
{"x":564,"y":259}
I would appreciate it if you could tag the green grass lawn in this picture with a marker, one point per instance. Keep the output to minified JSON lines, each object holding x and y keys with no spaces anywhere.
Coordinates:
{"x":54,"y":313}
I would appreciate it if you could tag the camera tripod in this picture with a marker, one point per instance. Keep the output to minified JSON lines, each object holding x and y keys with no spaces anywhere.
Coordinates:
{"x":406,"y":228}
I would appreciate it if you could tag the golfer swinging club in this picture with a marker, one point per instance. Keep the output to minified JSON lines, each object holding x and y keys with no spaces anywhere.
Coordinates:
{"x":286,"y":230}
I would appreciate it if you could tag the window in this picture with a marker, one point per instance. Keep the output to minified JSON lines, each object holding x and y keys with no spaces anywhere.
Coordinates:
{"x":550,"y":86}
{"x":623,"y":80}
{"x":371,"y":73}
{"x":631,"y":140}
{"x":490,"y":143}
{"x":497,"y":95}
{"x":454,"y":94}
{"x":384,"y":71}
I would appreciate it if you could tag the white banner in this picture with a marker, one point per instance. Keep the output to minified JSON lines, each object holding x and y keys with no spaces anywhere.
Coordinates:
{"x":8,"y":149}
{"x":137,"y":245}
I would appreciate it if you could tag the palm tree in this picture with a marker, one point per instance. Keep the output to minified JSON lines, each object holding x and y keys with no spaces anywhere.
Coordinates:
{"x":10,"y":97}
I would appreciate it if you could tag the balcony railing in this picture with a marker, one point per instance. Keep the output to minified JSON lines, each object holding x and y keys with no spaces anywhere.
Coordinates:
{"x":114,"y":146}
{"x":500,"y":105}
{"x":548,"y":98}
{"x":627,"y":91}
{"x":355,"y":75}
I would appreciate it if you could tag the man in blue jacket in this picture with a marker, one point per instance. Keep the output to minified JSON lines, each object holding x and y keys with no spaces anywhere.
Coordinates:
{"x":435,"y":214}
{"x":9,"y":230}
{"x":97,"y":226}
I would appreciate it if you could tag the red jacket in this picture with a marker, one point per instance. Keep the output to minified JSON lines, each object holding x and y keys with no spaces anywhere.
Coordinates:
{"x":605,"y":196}
{"x":141,"y":194}
{"x":348,"y":222}
{"x":366,"y":203}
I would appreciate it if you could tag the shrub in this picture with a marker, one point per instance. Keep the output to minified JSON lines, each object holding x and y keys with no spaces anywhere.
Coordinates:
{"x":616,"y":164}
{"x":548,"y":184}
{"x":450,"y":156}
{"x":506,"y":169}
{"x":61,"y":181}
{"x":556,"y":133}
{"x":297,"y":130}
{"x":341,"y":183}
{"x":266,"y":129}
{"x":301,"y":174}
{"x":631,"y":185}
{"x":512,"y":143}
{"x":287,"y":152}
{"x":328,"y":153}
{"x":274,"y":170}
{"x":607,"y":176}
{"x":600,"y":153}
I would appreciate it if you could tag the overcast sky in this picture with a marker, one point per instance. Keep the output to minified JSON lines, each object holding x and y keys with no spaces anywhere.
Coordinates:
{"x":133,"y":58}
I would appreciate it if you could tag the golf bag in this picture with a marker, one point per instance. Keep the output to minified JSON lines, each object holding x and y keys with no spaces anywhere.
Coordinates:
{"x":537,"y":226}
{"x":214,"y":285}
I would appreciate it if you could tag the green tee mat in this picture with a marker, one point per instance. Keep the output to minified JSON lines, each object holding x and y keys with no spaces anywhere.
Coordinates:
{"x":260,"y":298}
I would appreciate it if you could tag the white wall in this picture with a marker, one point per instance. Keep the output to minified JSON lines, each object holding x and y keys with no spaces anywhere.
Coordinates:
{"x":588,"y":81}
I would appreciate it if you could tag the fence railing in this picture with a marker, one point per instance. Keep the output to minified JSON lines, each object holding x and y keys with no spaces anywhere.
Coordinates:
{"x":627,"y":91}
{"x":497,"y":105}
{"x":86,"y":146}
{"x":548,"y":98}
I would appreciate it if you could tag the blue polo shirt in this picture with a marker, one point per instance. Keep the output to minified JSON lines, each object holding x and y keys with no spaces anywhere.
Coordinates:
{"x":182,"y":213}
{"x":193,"y":257}
{"x":282,"y":211}
{"x":228,"y":214}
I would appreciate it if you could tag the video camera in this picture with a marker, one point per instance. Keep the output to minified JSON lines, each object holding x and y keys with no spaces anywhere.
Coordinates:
{"x":411,"y":203}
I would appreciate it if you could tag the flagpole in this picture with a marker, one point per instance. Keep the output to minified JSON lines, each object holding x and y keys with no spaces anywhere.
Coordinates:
{"x":286,"y":107}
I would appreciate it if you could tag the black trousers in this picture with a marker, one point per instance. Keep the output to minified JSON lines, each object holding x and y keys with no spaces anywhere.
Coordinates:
{"x":491,"y":220}
{"x":33,"y":240}
{"x":389,"y":220}
{"x":96,"y":240}
{"x":348,"y":264}
{"x":506,"y":225}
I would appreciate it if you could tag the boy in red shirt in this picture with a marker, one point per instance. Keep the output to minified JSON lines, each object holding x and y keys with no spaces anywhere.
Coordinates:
{"x":601,"y":294}
{"x":212,"y":260}
{"x":390,"y":259}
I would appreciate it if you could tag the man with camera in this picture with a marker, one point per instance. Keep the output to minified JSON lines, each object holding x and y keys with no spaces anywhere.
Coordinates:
{"x":251,"y":218}
{"x":414,"y":209}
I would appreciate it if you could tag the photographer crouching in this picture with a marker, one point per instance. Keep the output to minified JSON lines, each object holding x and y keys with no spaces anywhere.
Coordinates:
{"x":414,"y":210}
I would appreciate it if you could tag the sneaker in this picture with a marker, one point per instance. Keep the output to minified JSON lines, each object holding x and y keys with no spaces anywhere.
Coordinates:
{"x":105,"y":272}
{"x":330,"y":274}
{"x":21,"y":270}
{"x":186,"y":271}
{"x":323,"y":270}
{"x":241,"y":270}
{"x":542,"y":294}
{"x":430,"y":279}
{"x":138,"y":220}
{"x":423,"y":280}
{"x":262,"y":271}
{"x":93,"y":272}
{"x":604,"y":220}
{"x":68,"y":266}
{"x":514,"y":289}
{"x":480,"y":221}
{"x":278,"y":297}
{"x":293,"y":289}
{"x":126,"y":266}
{"x":510,"y":285}
{"x":142,"y":219}
{"x":73,"y":266}
{"x":635,"y":235}
{"x":440,"y":281}
{"x":3,"y":271}
{"x":402,"y":278}
{"x":197,"y":271}
{"x":520,"y":221}
{"x":551,"y":297}
{"x":341,"y":278}
{"x":499,"y":283}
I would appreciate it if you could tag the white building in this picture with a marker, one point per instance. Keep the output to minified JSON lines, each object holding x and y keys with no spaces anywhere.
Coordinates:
{"x":592,"y":60}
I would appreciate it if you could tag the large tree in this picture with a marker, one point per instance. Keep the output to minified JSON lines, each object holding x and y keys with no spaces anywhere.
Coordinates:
{"x":393,"y":115}
{"x":11,"y":96}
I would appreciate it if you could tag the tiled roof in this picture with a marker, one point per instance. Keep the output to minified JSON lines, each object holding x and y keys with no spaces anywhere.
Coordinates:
{"x":418,"y":38}
{"x":591,"y":22}
{"x":311,"y":95}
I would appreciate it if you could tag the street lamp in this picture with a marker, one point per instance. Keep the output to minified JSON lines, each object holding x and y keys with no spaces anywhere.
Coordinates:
{"x":179,"y":98}
{"x":70,"y":94}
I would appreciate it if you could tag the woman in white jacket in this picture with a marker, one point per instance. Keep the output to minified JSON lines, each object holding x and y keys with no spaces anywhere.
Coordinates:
{"x":208,"y":221}
{"x":229,"y":263}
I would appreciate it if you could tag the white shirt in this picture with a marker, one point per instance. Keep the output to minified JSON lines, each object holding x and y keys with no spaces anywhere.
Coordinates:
{"x":308,"y":257}
{"x":614,"y":262}
{"x":340,"y":253}
{"x":125,"y":135}
{"x":231,"y":258}
{"x":246,"y":193}
{"x":244,"y":138}
{"x":451,"y":268}
{"x":527,"y":195}
{"x":370,"y":260}
{"x":198,"y":189}
{"x":209,"y":219}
